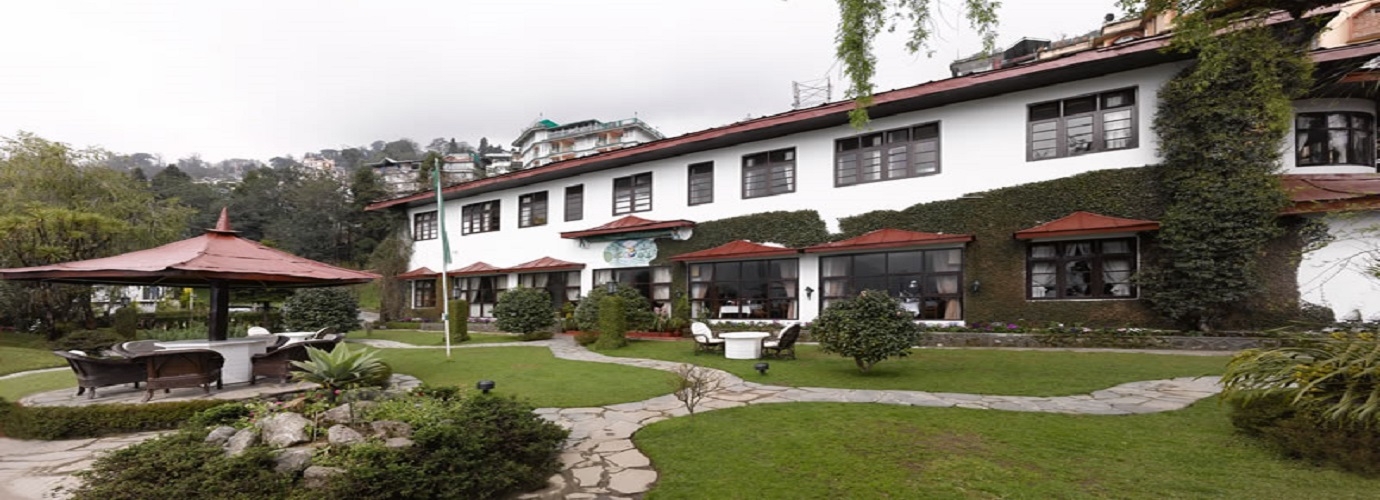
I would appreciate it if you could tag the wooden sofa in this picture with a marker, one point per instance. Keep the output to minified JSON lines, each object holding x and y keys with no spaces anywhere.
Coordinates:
{"x":178,"y":368}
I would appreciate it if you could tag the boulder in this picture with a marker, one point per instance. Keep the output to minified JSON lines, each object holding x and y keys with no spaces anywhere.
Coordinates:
{"x":391,"y":429}
{"x":397,"y":443}
{"x":292,"y":460}
{"x":316,"y":476}
{"x":340,"y":435}
{"x":340,"y":414}
{"x":285,"y":429}
{"x":243,"y":439}
{"x":220,"y":435}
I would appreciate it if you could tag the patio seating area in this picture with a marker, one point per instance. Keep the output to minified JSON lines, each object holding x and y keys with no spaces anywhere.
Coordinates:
{"x":746,"y":345}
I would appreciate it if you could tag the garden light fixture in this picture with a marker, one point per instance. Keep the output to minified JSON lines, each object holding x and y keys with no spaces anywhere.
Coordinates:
{"x":485,"y":385}
{"x":761,"y":368}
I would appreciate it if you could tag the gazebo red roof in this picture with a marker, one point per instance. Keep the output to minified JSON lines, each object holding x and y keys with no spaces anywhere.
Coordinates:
{"x":1085,"y":223}
{"x":545,"y":264}
{"x":1315,"y":193}
{"x":889,"y":238}
{"x":418,"y":273}
{"x":739,"y":249}
{"x":627,"y":224}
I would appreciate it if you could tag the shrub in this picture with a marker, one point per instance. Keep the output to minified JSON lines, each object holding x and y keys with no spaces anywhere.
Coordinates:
{"x":1337,"y":377}
{"x":182,"y":466}
{"x":459,"y":324}
{"x":526,"y":311}
{"x":868,"y":328}
{"x":1304,"y":433}
{"x":224,"y":414}
{"x":126,"y":322}
{"x":613,"y":323}
{"x":586,"y":337}
{"x":636,"y":309}
{"x":315,"y":308}
{"x":568,"y":318}
{"x":90,"y":341}
{"x":72,"y":422}
{"x":342,"y":368}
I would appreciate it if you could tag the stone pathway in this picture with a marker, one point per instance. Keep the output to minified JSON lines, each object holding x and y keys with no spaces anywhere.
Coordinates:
{"x":599,"y":458}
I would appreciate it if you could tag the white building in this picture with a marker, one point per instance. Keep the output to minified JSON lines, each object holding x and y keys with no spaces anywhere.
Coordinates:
{"x":581,"y":222}
{"x":399,"y":176}
{"x":546,"y":141}
{"x":145,"y":298}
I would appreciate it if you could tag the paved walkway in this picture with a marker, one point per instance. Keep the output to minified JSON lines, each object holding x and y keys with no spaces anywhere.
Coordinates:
{"x":600,"y":460}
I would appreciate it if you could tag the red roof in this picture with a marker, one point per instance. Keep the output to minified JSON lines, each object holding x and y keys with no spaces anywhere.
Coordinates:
{"x":1083,"y":223}
{"x":545,"y":264}
{"x":890,"y":238}
{"x":627,"y":224}
{"x":1331,"y":192}
{"x":418,"y":273}
{"x":217,"y":256}
{"x":477,"y":268}
{"x":739,"y":249}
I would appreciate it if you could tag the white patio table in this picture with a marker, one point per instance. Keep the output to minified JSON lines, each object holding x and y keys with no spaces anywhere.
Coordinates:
{"x":743,"y":345}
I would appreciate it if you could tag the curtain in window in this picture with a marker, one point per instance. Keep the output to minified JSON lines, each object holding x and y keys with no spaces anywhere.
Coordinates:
{"x":788,"y":272}
{"x":539,"y":280}
{"x":1116,"y":273}
{"x":660,"y":276}
{"x":1042,"y":279}
{"x":1042,"y":252}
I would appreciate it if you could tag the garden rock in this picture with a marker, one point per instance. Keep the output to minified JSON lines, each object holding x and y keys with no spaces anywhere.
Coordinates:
{"x":341,"y":414}
{"x":292,"y":460}
{"x":220,"y":435}
{"x":242,"y":440}
{"x":391,"y":429}
{"x":340,"y":435}
{"x":316,"y":476}
{"x":397,"y":443}
{"x":285,"y":429}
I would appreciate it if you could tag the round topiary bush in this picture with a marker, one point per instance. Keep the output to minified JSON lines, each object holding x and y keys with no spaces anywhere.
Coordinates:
{"x":637,"y":310}
{"x":526,"y":311}
{"x":868,"y":328}
{"x":316,"y":308}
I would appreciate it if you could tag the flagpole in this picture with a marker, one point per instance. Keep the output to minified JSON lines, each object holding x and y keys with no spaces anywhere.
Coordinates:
{"x":445,"y":253}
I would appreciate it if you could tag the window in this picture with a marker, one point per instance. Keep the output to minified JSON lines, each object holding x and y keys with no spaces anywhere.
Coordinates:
{"x":423,"y":294}
{"x":424,"y":226}
{"x":479,"y":217}
{"x":1334,"y":139}
{"x":532,"y":209}
{"x":480,"y":291}
{"x":758,"y":289}
{"x":769,"y":173}
{"x":563,"y":286}
{"x":927,"y":282}
{"x":1088,"y":269}
{"x":883,"y":156}
{"x":150,"y":293}
{"x":1086,"y":124}
{"x":632,"y":194}
{"x":702,"y":183}
{"x":575,"y":203}
{"x":653,"y":282}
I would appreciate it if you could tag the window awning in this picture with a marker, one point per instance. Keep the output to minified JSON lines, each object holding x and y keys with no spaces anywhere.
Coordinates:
{"x":1317,"y":193}
{"x":1086,"y":223}
{"x":631,"y":227}
{"x":740,"y":249}
{"x":476,"y":268}
{"x":545,"y":264}
{"x":889,"y":238}
{"x":420,"y":273}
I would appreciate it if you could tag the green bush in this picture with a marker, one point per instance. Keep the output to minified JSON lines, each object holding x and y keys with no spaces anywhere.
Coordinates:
{"x":637,"y":311}
{"x":403,"y":325}
{"x":586,"y":337}
{"x":1303,"y":433}
{"x":868,"y":328}
{"x":459,"y":320}
{"x":224,"y":414}
{"x":126,"y":322}
{"x":89,"y":341}
{"x":73,"y":422}
{"x":526,"y":311}
{"x":1336,"y":377}
{"x":568,"y":323}
{"x":342,"y":368}
{"x":613,"y":323}
{"x":316,"y":308}
{"x":182,"y":466}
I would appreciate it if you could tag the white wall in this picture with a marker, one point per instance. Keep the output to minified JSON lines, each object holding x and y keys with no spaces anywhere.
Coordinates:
{"x":1335,"y":276}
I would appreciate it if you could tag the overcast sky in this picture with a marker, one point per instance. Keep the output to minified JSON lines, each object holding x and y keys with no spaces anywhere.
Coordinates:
{"x":256,"y":79}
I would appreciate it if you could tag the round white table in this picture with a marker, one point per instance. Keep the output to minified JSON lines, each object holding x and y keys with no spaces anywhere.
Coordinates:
{"x":296,"y":336}
{"x":237,"y":353}
{"x":743,"y":345}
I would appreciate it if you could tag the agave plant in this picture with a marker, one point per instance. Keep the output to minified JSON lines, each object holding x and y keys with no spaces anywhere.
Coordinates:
{"x":342,"y":368}
{"x":1340,"y":376}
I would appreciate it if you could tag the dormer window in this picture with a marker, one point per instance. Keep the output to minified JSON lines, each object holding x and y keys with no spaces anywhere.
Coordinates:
{"x":1334,"y":138}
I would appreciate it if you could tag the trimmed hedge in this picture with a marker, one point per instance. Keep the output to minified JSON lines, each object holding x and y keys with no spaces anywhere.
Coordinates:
{"x":72,"y":422}
{"x":459,"y":324}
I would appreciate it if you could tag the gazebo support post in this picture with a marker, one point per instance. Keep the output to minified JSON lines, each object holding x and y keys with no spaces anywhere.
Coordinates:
{"x":220,"y":311}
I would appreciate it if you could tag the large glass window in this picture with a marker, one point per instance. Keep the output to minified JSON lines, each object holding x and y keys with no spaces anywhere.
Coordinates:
{"x":424,"y":226}
{"x":759,"y":289}
{"x":769,"y":173}
{"x":653,"y":282}
{"x":1084,"y":124}
{"x":1085,"y":269}
{"x":1341,"y":138}
{"x":423,"y":294}
{"x":882,"y":156}
{"x":481,"y":292}
{"x":532,"y":209}
{"x":575,"y":203}
{"x":929,"y":283}
{"x":479,"y":217}
{"x":564,"y":286}
{"x":632,"y":194}
{"x":701,"y":183}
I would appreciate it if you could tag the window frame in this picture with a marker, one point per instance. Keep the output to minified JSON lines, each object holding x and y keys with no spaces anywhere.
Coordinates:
{"x":473,"y":217}
{"x":570,"y":287}
{"x":1098,"y":124}
{"x":425,"y":225}
{"x":1351,"y":131}
{"x":417,"y":294}
{"x":478,"y":296}
{"x":575,"y":203}
{"x":912,"y":147}
{"x":703,"y":180}
{"x":750,"y":166}
{"x":1097,"y":271}
{"x":636,"y":186}
{"x":655,"y":291}
{"x":920,"y":296}
{"x":532,"y":209}
{"x":768,"y":283}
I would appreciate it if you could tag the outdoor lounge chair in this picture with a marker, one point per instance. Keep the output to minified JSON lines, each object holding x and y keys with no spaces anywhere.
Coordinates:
{"x":175,"y":368}
{"x":779,"y":346}
{"x":705,"y":340}
{"x":277,"y":362}
{"x":93,"y":372}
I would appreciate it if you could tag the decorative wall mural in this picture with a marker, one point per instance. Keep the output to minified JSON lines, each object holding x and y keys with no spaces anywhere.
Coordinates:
{"x":630,"y":253}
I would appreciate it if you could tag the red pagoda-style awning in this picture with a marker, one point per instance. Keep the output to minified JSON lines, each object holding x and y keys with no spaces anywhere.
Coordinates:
{"x":1086,"y":223}
{"x":629,"y":224}
{"x":740,"y":249}
{"x":889,"y":238}
{"x":545,"y":264}
{"x":1317,"y":193}
{"x":420,"y":273}
{"x":477,"y":268}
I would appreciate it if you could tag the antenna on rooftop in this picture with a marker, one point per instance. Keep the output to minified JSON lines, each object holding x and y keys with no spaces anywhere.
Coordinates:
{"x":811,"y":93}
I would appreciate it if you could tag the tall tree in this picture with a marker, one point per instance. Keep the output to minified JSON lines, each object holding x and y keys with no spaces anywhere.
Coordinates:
{"x":173,"y":184}
{"x":367,"y":229}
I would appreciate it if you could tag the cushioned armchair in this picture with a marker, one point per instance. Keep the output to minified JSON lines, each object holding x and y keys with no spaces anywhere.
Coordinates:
{"x":705,"y":340}
{"x":93,"y":372}
{"x":782,"y":345}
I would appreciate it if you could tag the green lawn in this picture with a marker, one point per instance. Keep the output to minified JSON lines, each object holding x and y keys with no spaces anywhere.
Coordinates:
{"x":841,"y":451}
{"x":419,"y":337}
{"x":533,"y":374}
{"x":18,"y":359}
{"x":976,"y":371}
{"x":14,"y":388}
